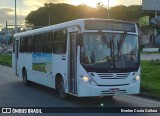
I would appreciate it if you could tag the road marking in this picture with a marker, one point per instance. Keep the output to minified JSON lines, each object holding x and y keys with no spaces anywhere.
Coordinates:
{"x":139,"y":98}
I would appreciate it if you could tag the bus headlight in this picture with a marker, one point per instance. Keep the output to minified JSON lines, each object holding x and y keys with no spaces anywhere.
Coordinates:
{"x":88,"y":80}
{"x":85,"y":79}
{"x":137,"y":78}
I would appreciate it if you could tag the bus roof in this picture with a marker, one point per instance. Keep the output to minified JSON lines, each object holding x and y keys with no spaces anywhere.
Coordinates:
{"x":65,"y":25}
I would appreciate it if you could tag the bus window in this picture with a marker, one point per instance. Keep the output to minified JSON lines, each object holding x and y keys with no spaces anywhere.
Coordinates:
{"x":50,"y":42}
{"x":21,"y":39}
{"x":25,"y":41}
{"x":37,"y":43}
{"x":43,"y":42}
{"x":29,"y":44}
{"x":14,"y":44}
{"x":60,"y":41}
{"x":22,"y":46}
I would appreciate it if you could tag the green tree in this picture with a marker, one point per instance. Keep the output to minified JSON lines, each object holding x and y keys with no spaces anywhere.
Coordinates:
{"x":59,"y":13}
{"x":65,"y":12}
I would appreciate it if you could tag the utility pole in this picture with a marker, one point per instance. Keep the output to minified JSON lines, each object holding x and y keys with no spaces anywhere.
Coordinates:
{"x":155,"y":13}
{"x":108,"y":9}
{"x":6,"y":33}
{"x":15,"y":17}
{"x":49,"y":22}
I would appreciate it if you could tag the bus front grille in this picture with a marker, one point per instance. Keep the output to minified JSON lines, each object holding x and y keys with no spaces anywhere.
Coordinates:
{"x":113,"y":75}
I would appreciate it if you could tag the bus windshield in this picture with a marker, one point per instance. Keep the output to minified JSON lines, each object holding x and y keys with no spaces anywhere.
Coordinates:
{"x":109,"y":51}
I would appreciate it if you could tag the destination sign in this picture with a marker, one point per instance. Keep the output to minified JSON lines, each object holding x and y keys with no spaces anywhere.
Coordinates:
{"x":109,"y":25}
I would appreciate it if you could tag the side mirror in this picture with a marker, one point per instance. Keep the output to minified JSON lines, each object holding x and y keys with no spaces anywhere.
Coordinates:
{"x":79,"y":39}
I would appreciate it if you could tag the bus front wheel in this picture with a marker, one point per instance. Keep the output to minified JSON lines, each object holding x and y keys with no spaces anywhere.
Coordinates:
{"x":61,"y":89}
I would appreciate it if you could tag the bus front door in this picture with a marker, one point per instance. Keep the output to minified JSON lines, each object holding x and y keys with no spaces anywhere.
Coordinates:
{"x":73,"y":64}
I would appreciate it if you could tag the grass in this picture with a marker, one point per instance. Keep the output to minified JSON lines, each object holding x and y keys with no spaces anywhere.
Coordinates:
{"x":6,"y":60}
{"x":150,"y":81}
{"x":150,"y":52}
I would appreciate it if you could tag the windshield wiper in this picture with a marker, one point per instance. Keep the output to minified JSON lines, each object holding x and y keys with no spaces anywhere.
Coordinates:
{"x":121,"y":41}
{"x":105,"y":39}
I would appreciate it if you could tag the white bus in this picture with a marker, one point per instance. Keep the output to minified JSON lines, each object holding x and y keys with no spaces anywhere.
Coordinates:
{"x":84,"y":57}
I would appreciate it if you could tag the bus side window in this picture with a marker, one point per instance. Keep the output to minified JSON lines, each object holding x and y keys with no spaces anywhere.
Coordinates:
{"x":20,"y":49}
{"x":29,"y":44}
{"x":47,"y":42}
{"x":50,"y":42}
{"x":33,"y":43}
{"x":25,"y":41}
{"x":23,"y":44}
{"x":13,"y":44}
{"x":43,"y":42}
{"x":37,"y":43}
{"x":60,"y":41}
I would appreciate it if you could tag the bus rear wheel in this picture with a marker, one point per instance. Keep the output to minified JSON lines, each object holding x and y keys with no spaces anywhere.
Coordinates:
{"x":25,"y":80}
{"x":61,"y":89}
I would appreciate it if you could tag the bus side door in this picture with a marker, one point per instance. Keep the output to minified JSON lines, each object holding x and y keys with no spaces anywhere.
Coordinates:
{"x":73,"y":64}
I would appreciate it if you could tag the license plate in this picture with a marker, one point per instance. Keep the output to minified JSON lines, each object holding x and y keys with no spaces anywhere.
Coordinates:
{"x":114,"y":90}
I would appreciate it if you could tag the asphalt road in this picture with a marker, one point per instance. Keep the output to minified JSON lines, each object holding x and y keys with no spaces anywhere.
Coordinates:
{"x":14,"y":94}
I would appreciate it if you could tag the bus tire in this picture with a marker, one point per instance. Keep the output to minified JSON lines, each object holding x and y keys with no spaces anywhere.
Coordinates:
{"x":25,"y":80}
{"x":61,"y":89}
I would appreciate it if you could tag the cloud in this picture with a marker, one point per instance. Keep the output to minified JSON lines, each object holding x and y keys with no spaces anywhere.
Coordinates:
{"x":6,"y":11}
{"x":34,"y":4}
{"x":31,"y":5}
{"x":55,"y":1}
{"x":24,"y":7}
{"x":7,"y":14}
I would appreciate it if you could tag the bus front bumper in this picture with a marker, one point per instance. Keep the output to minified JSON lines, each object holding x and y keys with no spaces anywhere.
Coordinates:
{"x":87,"y":90}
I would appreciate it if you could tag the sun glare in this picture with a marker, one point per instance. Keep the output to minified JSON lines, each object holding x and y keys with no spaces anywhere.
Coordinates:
{"x":93,"y":3}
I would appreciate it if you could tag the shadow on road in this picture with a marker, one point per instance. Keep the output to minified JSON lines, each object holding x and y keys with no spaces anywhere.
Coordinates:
{"x":80,"y":101}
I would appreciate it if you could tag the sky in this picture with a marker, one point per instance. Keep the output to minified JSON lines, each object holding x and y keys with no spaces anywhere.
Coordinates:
{"x":24,"y":7}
